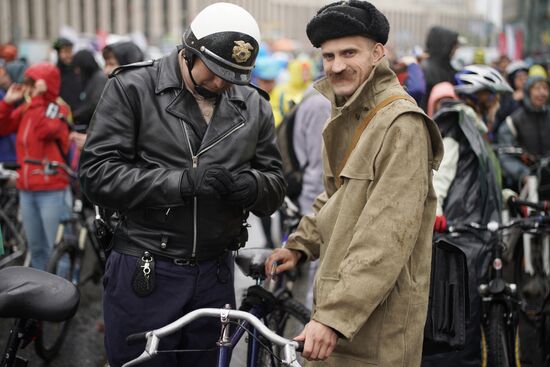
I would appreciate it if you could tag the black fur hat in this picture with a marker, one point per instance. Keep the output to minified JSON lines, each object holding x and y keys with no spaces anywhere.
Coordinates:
{"x":348,"y":18}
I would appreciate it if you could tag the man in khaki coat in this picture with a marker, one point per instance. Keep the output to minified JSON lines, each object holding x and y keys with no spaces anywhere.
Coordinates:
{"x":372,"y":227}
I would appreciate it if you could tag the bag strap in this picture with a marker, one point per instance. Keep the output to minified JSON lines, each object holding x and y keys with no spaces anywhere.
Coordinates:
{"x":359,"y":131}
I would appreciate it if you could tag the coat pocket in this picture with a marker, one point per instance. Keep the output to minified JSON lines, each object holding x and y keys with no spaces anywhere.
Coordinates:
{"x":365,"y":345}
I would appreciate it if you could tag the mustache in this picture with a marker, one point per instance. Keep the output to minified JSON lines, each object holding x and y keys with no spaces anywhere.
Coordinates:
{"x":343,"y":75}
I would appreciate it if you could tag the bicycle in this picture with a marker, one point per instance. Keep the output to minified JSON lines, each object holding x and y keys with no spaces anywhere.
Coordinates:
{"x":16,"y":250}
{"x":530,"y":188}
{"x":29,"y":296}
{"x":74,"y":236}
{"x":261,"y":312}
{"x":500,"y":300}
{"x":535,"y":300}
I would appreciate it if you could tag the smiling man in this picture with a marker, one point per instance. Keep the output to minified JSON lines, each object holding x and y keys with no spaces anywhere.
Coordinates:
{"x":372,"y":227}
{"x":184,"y":149}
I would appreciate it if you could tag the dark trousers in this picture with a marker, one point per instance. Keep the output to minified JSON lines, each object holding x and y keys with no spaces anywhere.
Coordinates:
{"x":178,"y":290}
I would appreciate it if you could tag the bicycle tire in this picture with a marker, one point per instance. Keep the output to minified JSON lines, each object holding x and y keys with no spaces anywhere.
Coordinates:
{"x":496,"y":350}
{"x":287,"y":319}
{"x":51,"y":335}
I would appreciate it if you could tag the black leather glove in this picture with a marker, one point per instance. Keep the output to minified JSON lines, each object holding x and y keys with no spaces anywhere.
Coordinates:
{"x":245,"y":190}
{"x":219,"y":179}
{"x":206,"y":181}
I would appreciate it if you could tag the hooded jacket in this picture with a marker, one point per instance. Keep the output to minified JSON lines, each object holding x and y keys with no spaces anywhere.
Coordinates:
{"x":437,"y":68}
{"x":93,"y":82}
{"x":126,"y":52}
{"x":284,"y":97}
{"x":528,"y":128}
{"x":468,"y":190}
{"x":373,"y":234}
{"x":440,"y":91}
{"x":38,"y":137}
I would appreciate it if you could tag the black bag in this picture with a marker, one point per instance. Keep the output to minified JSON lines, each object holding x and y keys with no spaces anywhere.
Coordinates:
{"x":449,"y":304}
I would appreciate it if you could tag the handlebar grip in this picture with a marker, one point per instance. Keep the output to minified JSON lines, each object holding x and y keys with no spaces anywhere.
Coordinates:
{"x":300,"y":347}
{"x":137,"y":338}
{"x":11,"y":166}
{"x":33,"y":161}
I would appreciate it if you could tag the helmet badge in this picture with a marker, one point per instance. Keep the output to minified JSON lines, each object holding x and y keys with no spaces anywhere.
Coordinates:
{"x":241,"y":52}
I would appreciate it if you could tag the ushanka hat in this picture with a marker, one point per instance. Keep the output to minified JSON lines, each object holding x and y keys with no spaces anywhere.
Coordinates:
{"x":348,"y":18}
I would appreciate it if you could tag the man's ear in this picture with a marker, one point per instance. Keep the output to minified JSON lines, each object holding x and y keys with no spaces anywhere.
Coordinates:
{"x":377,"y":52}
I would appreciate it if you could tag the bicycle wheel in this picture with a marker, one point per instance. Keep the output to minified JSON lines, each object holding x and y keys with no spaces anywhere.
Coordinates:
{"x":287,"y":319}
{"x":51,"y":335}
{"x":496,"y":349}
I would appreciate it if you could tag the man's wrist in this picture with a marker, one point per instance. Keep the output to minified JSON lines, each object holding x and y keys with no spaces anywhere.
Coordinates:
{"x":300,"y":255}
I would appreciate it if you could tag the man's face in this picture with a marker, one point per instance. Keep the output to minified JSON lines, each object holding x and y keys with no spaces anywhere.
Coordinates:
{"x":519,"y":79}
{"x":348,"y":62}
{"x":66,"y":55}
{"x":486,"y":100}
{"x":207,"y":79}
{"x":111,"y":64}
{"x":538,"y":94}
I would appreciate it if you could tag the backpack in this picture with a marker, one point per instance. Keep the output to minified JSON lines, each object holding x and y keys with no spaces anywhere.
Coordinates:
{"x":292,"y":171}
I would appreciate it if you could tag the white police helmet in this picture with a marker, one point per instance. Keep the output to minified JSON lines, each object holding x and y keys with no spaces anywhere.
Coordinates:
{"x":227,"y":39}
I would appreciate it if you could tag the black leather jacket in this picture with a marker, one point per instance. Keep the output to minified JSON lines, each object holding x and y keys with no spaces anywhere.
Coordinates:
{"x":146,"y":130}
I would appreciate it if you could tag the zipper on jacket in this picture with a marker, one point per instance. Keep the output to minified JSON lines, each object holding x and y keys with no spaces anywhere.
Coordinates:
{"x":195,"y":160}
{"x":26,"y":165}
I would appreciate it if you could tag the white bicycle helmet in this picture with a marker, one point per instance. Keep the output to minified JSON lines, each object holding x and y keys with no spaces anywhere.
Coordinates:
{"x":227,"y":39}
{"x":475,"y":78}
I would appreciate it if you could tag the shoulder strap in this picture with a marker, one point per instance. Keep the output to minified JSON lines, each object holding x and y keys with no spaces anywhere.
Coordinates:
{"x":359,"y":131}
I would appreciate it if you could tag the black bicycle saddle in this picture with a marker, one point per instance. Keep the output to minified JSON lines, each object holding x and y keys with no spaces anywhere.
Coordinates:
{"x":251,"y":261}
{"x":28,"y":293}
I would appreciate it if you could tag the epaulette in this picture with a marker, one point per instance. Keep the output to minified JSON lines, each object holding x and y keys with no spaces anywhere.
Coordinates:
{"x":262,"y":92}
{"x":122,"y":68}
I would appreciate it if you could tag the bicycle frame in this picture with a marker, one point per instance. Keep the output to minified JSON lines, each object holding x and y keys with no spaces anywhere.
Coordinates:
{"x":226,"y":342}
{"x":84,"y":233}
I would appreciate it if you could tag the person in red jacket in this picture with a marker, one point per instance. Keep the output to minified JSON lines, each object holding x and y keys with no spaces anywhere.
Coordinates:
{"x":41,"y":136}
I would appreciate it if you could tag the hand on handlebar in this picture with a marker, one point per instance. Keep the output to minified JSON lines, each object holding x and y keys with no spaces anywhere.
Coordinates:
{"x":285,"y":258}
{"x":319,"y":341}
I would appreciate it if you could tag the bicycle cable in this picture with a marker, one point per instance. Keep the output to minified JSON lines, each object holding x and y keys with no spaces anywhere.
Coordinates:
{"x":266,"y":347}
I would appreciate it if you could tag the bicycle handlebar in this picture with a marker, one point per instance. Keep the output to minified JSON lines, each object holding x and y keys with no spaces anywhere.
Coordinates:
{"x":7,"y":170}
{"x":517,"y":203}
{"x":50,"y":167}
{"x":153,"y":337}
{"x":524,"y":223}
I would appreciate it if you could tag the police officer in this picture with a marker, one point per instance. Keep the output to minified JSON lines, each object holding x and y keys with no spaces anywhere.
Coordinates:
{"x":183,"y":148}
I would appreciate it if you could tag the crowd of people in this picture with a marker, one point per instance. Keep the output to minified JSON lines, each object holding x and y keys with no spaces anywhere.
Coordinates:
{"x":185,"y":147}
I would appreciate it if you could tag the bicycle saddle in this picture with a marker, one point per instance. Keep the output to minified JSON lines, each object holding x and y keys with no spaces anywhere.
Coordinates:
{"x":251,"y":261}
{"x":28,"y":293}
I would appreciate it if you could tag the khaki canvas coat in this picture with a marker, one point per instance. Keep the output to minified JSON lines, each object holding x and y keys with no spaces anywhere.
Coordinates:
{"x":373,"y":234}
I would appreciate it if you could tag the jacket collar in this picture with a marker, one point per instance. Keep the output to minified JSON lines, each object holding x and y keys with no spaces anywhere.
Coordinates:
{"x":168,"y":74}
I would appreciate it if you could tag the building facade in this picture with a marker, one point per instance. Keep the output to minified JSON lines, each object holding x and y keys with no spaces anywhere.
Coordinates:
{"x":409,"y":19}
